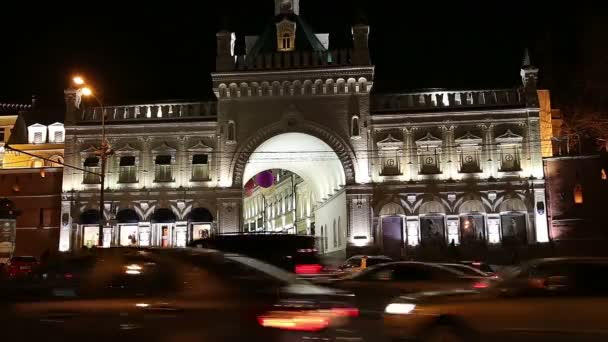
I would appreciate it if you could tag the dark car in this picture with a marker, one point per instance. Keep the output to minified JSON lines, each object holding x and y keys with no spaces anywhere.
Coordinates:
{"x":291,"y":252}
{"x":561,"y":299}
{"x":377,"y":285}
{"x":480,"y":265}
{"x":468,"y":270}
{"x":171,"y":295}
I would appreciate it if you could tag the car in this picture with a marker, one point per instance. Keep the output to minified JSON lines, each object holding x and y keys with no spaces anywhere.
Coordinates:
{"x":468,"y":270}
{"x":355,"y":263}
{"x":186,"y":294}
{"x":377,"y":285}
{"x":21,"y":266}
{"x":558,"y":299}
{"x":480,"y":265}
{"x":291,"y":252}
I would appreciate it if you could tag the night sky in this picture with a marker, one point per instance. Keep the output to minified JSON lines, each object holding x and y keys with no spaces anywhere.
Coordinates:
{"x":159,"y":52}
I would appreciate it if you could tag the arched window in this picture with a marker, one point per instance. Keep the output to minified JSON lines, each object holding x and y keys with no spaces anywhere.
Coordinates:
{"x":354,"y":130}
{"x":603,"y":174}
{"x":231,"y":134}
{"x":578,"y":194}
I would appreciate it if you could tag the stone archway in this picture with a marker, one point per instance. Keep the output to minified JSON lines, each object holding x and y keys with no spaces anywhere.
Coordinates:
{"x":293,"y":125}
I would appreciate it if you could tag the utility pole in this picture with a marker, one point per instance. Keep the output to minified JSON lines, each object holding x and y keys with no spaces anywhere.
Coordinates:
{"x":103,"y":152}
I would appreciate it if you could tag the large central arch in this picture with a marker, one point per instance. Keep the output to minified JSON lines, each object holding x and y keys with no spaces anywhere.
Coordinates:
{"x":343,"y":151}
{"x":308,"y":156}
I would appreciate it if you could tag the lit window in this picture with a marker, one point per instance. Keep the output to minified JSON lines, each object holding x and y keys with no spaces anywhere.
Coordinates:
{"x":578,"y":194}
{"x":286,"y":41}
{"x":163,"y":169}
{"x":127,"y":170}
{"x":58,"y":137}
{"x":91,"y":175}
{"x":38,"y":138}
{"x":603,"y":174}
{"x":200,"y":167}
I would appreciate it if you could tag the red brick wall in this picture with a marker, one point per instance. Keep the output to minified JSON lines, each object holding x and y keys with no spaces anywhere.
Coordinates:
{"x":39,"y":200}
{"x":569,"y":220}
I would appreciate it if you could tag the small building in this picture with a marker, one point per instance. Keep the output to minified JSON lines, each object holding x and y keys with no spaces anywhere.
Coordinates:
{"x":33,"y":184}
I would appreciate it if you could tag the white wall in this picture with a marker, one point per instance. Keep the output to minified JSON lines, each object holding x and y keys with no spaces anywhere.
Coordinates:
{"x":334,"y":209}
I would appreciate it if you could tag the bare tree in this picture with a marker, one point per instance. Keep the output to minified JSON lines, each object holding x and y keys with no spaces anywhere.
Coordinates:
{"x":579,"y":127}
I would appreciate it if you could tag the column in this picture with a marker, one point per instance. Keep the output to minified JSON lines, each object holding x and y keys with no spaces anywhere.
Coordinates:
{"x":181,"y":163}
{"x":407,"y":155}
{"x":65,"y":232}
{"x":540,"y":216}
{"x":145,"y":173}
{"x":488,"y":156}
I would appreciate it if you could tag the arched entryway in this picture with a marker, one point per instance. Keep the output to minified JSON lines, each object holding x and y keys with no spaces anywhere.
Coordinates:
{"x":472,"y":222}
{"x":302,"y":187}
{"x":432,"y":222}
{"x":163,"y":229}
{"x":128,"y":229}
{"x":88,"y":222}
{"x":513,"y":221}
{"x":200,"y":221}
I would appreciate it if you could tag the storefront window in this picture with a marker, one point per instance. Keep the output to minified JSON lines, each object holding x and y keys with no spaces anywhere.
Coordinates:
{"x":472,"y":228}
{"x":165,"y":234}
{"x":91,"y":236}
{"x":201,"y":231}
{"x":432,"y":229}
{"x":128,"y":235}
{"x":514,"y":227}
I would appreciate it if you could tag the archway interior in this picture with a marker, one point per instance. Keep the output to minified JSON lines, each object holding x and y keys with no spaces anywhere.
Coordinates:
{"x":304,"y":195}
{"x":305,"y":155}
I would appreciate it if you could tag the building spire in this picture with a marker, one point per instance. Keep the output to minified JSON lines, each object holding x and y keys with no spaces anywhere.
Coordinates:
{"x":526,"y":60}
{"x":286,"y":7}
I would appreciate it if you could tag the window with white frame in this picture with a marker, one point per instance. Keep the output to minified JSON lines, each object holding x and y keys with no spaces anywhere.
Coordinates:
{"x":509,"y":149}
{"x":390,"y":151}
{"x":127,"y":170}
{"x":38,"y":138}
{"x":58,"y":137}
{"x":163,"y":169}
{"x":429,"y":154}
{"x":92,"y":171}
{"x":200,"y":167}
{"x":469,"y":153}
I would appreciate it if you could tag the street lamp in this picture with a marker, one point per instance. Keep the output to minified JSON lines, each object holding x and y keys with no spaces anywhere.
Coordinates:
{"x":103,"y":152}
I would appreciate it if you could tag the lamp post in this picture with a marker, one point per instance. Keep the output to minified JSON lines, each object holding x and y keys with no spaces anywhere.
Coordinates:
{"x":103,"y":152}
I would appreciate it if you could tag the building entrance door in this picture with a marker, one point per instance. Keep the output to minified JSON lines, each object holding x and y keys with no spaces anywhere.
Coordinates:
{"x":392,"y":235}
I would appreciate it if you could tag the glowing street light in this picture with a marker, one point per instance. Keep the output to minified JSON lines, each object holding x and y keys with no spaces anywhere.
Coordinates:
{"x":78,"y":80}
{"x":86,"y":91}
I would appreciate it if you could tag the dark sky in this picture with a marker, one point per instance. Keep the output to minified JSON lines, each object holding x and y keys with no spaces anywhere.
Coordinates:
{"x":152,"y":52}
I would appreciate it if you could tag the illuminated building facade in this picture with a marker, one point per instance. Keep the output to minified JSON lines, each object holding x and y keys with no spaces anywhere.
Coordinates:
{"x":391,"y":170}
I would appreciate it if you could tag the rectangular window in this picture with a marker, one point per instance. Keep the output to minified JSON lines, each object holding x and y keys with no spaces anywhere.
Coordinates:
{"x":49,"y":217}
{"x":200,"y":167}
{"x":163,"y":169}
{"x":38,"y":138}
{"x":2,"y":134}
{"x":91,"y":165}
{"x":128,"y":170}
{"x":58,"y":137}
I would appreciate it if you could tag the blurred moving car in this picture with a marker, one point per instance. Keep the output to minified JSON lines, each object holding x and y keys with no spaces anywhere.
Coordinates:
{"x":480,"y":265}
{"x":377,"y":285}
{"x":171,"y":295}
{"x":360,"y":262}
{"x":21,"y":266}
{"x":468,"y":270}
{"x":291,"y":252}
{"x":560,"y":299}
